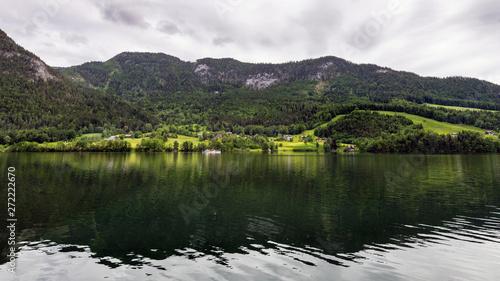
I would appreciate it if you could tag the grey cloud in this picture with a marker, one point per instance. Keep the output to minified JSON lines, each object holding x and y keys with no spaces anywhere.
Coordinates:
{"x":168,"y":27}
{"x":487,"y":12}
{"x":221,"y":41}
{"x":427,"y":36}
{"x":74,"y":39}
{"x":119,"y":14}
{"x":27,"y":29}
{"x":321,"y":22}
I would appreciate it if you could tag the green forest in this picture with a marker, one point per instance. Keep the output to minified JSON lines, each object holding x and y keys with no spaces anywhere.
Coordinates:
{"x":158,"y":94}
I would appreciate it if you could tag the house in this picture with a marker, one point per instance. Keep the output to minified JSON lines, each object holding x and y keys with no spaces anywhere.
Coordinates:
{"x":147,"y":137}
{"x":289,"y":138}
{"x":219,"y":136}
{"x":169,"y":135}
{"x":199,"y":134}
{"x":128,"y":136}
{"x":304,"y":137}
{"x":323,"y":139}
{"x":350,"y":147}
{"x":112,"y":138}
{"x":229,"y":133}
{"x":271,"y":139}
{"x":319,"y":139}
{"x":454,"y":135}
{"x":491,"y":133}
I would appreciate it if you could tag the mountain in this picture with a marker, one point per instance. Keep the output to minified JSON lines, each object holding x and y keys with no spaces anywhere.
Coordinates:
{"x":224,"y":93}
{"x":161,"y":72}
{"x":231,"y":91}
{"x":33,"y":95}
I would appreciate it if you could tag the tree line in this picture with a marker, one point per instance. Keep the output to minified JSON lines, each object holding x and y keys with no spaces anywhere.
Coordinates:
{"x":418,"y":140}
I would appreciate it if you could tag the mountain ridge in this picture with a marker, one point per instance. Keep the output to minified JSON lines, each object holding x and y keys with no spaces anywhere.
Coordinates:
{"x":33,"y":95}
{"x":226,"y":71}
{"x":140,"y":74}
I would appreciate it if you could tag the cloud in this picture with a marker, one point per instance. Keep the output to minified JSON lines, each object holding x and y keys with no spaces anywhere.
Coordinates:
{"x":168,"y":27}
{"x":74,"y":39}
{"x":123,"y":14}
{"x":429,"y":37}
{"x":488,"y":13}
{"x":221,"y":41}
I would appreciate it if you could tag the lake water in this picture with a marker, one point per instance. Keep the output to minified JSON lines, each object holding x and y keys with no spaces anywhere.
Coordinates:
{"x":253,"y":216}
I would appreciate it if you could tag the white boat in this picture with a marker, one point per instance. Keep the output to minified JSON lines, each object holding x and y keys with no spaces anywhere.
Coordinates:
{"x":211,"y":151}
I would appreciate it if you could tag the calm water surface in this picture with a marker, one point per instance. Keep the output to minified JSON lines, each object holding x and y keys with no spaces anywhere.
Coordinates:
{"x":253,"y":217}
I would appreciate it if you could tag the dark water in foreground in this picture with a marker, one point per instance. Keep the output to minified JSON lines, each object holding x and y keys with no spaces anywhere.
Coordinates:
{"x":253,"y":217}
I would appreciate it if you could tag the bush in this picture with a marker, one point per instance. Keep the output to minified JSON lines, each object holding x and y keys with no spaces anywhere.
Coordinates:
{"x":151,"y":145}
{"x":304,"y":148}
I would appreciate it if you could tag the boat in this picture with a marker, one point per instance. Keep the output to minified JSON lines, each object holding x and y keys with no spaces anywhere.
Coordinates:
{"x":211,"y":151}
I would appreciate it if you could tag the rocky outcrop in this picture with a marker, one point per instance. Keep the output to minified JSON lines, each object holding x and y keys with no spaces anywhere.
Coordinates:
{"x":38,"y":68}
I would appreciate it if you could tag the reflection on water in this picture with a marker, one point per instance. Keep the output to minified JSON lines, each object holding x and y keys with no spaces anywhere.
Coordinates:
{"x":255,"y":217}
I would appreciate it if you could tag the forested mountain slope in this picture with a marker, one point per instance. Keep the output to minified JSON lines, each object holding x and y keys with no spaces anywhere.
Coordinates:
{"x":33,"y":95}
{"x":226,"y":90}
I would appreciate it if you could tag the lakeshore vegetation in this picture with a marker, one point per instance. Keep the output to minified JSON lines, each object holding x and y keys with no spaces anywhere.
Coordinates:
{"x":368,"y":131}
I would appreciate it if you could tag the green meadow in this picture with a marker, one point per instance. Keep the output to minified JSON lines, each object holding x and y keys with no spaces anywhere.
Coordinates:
{"x":457,"y":107}
{"x":436,"y":126}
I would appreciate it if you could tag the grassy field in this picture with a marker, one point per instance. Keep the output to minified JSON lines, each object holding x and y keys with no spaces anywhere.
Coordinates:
{"x":311,"y":132}
{"x":457,"y":107}
{"x":436,"y":126}
{"x":135,"y":142}
{"x":90,"y":136}
{"x":180,"y":140}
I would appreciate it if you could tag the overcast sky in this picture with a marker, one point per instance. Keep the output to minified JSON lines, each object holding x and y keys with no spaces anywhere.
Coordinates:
{"x":429,"y":37}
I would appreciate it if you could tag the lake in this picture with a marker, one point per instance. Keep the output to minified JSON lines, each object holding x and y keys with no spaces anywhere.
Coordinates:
{"x":252,"y":216}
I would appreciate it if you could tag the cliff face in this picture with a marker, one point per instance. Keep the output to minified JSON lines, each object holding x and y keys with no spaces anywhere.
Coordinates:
{"x":16,"y":60}
{"x":261,"y":76}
